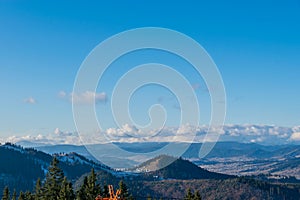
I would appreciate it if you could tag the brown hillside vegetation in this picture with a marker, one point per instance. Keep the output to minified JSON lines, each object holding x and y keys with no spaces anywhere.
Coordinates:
{"x":233,"y":189}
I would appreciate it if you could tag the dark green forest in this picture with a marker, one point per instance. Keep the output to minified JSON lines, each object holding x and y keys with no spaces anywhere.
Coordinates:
{"x":56,"y":186}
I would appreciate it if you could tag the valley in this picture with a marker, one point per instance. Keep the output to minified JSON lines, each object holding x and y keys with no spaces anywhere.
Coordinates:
{"x":217,"y":178}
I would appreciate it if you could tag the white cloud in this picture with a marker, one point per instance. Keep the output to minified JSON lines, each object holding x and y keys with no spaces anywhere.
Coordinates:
{"x":264,"y":134}
{"x":187,"y":129}
{"x":62,"y":94}
{"x":130,"y":133}
{"x":295,"y":136}
{"x":30,"y":100}
{"x":56,"y":137}
{"x":87,"y":97}
{"x":296,"y":129}
{"x":186,"y":133}
{"x":126,"y":131}
{"x":36,"y":139}
{"x":284,"y":135}
{"x":57,"y":131}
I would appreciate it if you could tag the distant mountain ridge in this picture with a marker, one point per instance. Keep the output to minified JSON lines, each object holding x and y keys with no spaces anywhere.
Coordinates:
{"x":168,"y":167}
{"x":23,"y":166}
{"x":227,"y":157}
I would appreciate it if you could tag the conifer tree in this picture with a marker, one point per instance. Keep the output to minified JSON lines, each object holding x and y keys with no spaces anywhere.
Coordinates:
{"x":93,"y":189}
{"x":38,"y":190}
{"x":124,"y":189}
{"x":66,"y":192}
{"x":197,"y":196}
{"x":81,"y":193}
{"x":89,"y":189}
{"x":6,"y":194}
{"x":21,"y":196}
{"x":53,"y":182}
{"x":105,"y":192}
{"x":189,"y":195}
{"x":14,"y":196}
{"x":28,"y":196}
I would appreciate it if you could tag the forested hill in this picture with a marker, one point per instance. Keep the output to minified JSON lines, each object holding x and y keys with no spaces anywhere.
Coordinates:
{"x":178,"y":169}
{"x":21,"y":167}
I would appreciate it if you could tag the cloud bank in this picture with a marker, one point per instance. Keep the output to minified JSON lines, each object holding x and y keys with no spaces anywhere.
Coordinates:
{"x":262,"y":134}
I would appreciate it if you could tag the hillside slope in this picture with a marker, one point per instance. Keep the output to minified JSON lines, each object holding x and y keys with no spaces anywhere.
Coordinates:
{"x":21,"y":167}
{"x":178,"y":169}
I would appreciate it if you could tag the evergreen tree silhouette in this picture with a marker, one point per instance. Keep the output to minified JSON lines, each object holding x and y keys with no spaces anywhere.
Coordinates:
{"x":66,"y":192}
{"x":124,"y":189}
{"x":53,"y":182}
{"x":6,"y":194}
{"x":189,"y":195}
{"x":21,"y":196}
{"x":14,"y":196}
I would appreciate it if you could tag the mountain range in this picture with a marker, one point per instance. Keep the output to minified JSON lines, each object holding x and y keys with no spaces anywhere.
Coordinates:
{"x":227,"y":157}
{"x":20,"y":167}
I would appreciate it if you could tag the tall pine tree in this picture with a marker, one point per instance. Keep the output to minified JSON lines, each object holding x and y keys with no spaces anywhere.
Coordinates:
{"x":21,"y":196}
{"x":93,"y":188}
{"x":38,"y":190}
{"x":53,"y":182}
{"x":6,"y":194}
{"x":66,"y":191}
{"x":124,"y":190}
{"x":89,"y":190}
{"x":14,"y":196}
{"x":105,"y":192}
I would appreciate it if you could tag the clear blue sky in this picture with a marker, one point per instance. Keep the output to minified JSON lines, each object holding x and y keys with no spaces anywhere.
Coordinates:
{"x":255,"y":44}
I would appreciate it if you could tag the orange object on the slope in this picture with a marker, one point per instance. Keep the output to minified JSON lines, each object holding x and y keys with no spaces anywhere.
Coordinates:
{"x":112,"y":195}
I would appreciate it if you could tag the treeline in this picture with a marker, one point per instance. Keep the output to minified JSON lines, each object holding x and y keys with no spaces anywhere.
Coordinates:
{"x":56,"y":186}
{"x":20,"y":166}
{"x":192,"y":196}
{"x":279,"y":190}
{"x":18,"y":170}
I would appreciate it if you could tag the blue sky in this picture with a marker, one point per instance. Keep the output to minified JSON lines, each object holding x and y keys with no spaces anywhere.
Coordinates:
{"x":255,"y":44}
